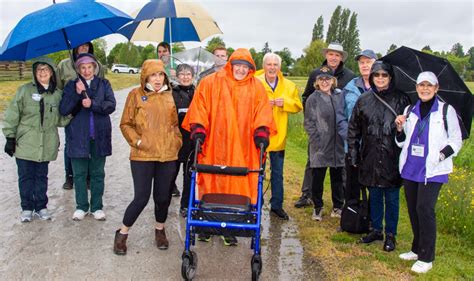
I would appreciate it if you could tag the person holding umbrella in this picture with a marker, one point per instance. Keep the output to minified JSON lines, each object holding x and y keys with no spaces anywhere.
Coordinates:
{"x":90,"y":99}
{"x":150,"y":125}
{"x":66,"y":72}
{"x":372,"y":149}
{"x":31,"y":128}
{"x":430,"y":136}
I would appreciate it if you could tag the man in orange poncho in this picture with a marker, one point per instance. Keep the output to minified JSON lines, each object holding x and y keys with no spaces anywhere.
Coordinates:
{"x":231,"y":112}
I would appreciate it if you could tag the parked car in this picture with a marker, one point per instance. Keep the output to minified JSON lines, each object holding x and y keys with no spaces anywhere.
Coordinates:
{"x":124,"y":69}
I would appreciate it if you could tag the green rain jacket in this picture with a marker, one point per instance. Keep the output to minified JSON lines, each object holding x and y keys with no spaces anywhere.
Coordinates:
{"x":36,"y":140}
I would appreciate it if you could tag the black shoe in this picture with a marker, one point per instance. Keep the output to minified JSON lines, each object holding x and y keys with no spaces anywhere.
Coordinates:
{"x":230,"y":240}
{"x":183,"y":212}
{"x":69,"y":183}
{"x":280,"y":213}
{"x":304,"y":201}
{"x":371,"y":237}
{"x":389,"y":244}
{"x":175,"y":192}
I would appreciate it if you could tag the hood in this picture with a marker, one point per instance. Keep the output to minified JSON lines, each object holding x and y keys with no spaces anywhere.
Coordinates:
{"x":53,"y":80}
{"x":149,"y":67}
{"x":240,"y":54}
{"x":74,"y":51}
{"x":379,"y":65}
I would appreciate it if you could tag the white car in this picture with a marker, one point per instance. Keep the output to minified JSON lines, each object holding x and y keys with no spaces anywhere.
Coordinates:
{"x":124,"y":69}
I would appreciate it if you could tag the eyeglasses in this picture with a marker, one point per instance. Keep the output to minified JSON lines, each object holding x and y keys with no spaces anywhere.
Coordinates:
{"x":325,"y":79}
{"x":43,"y":69}
{"x":383,"y":74}
{"x":184,"y":74}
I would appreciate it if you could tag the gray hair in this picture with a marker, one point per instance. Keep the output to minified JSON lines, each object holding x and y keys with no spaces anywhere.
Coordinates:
{"x":271,"y":56}
{"x":184,"y":67}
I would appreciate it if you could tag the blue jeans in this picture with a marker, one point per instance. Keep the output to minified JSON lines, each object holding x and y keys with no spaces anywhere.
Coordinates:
{"x":67,"y":160}
{"x":33,"y":184}
{"x":276,"y":178}
{"x":391,"y":196}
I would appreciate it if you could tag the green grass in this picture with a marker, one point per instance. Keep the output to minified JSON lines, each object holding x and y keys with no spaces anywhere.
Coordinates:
{"x":343,"y":257}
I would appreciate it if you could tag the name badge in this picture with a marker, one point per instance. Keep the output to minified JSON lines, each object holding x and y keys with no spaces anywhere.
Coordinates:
{"x":182,"y":110}
{"x":36,"y":97}
{"x":418,"y":150}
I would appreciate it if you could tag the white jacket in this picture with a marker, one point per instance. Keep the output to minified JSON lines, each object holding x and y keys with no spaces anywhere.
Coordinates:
{"x":437,"y":140}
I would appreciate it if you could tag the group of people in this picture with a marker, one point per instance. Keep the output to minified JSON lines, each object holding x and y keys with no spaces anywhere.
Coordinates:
{"x":367,"y":132}
{"x":362,"y":128}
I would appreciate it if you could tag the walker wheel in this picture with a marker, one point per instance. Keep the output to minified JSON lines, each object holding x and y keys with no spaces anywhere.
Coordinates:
{"x":189,"y":265}
{"x":256,"y":264}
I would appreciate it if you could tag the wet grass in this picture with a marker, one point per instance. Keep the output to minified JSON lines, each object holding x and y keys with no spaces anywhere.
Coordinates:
{"x":340,"y":254}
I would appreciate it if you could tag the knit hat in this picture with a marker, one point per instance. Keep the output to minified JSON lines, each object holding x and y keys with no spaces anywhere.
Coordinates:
{"x":244,"y":62}
{"x":86,"y":58}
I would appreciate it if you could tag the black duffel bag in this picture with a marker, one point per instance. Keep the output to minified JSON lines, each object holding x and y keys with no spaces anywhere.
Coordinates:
{"x":355,"y":215}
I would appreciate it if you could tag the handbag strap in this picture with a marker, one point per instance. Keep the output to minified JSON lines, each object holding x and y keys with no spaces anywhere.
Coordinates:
{"x":386,"y":104}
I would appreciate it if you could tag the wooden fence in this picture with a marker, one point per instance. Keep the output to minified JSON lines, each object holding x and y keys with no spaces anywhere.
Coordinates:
{"x":15,"y":70}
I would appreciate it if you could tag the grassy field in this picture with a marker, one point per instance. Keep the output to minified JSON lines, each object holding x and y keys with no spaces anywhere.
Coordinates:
{"x":342,"y":257}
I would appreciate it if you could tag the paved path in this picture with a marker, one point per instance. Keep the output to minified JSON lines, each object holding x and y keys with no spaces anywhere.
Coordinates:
{"x":63,"y":249}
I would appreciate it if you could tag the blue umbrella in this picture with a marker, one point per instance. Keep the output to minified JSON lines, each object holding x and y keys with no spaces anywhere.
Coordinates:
{"x":59,"y":27}
{"x":170,"y":21}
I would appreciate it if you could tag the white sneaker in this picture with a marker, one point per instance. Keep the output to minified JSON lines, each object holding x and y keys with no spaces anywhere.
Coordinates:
{"x":26,"y":216}
{"x":410,"y":256}
{"x":336,"y":213}
{"x":421,"y":267}
{"x":99,"y":215}
{"x":44,"y":215}
{"x":317,"y":214}
{"x":79,"y":215}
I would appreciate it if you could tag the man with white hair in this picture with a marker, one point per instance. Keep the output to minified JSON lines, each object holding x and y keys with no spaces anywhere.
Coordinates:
{"x":284,"y":99}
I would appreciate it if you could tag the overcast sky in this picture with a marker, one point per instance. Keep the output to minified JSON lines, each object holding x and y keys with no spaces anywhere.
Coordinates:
{"x":416,"y":23}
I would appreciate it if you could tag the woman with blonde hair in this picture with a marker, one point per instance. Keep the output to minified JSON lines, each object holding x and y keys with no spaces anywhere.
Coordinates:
{"x":326,"y":125}
{"x":150,"y":126}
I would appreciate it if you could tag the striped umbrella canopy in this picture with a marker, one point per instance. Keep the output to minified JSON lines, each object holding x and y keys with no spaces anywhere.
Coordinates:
{"x":170,"y":21}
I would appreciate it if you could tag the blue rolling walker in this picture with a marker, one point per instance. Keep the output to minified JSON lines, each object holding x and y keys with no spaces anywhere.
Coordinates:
{"x":223,"y":214}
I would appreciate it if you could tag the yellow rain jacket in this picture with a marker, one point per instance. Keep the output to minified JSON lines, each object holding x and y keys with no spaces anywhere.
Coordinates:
{"x":287,"y":90}
{"x":230,"y":111}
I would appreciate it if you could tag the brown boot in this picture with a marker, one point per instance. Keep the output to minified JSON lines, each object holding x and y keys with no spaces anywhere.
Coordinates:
{"x":120,"y":243}
{"x":160,"y":238}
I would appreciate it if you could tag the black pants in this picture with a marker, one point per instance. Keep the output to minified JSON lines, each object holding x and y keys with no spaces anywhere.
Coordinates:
{"x":421,"y":202}
{"x":186,"y":184}
{"x":337,"y":190}
{"x":145,"y":173}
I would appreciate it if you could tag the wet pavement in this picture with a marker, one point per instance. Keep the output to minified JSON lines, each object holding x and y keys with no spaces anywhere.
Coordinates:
{"x":63,"y":249}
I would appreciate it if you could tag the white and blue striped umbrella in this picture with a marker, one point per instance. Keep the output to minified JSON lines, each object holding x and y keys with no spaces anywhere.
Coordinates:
{"x":170,"y":21}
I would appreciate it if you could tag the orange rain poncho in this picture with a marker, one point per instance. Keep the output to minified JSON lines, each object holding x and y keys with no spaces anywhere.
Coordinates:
{"x":230,"y":111}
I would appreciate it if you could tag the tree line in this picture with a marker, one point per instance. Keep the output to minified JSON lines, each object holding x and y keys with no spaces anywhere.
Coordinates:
{"x":342,"y":28}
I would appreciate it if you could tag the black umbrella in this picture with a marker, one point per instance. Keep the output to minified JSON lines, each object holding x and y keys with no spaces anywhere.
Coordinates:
{"x":408,"y":63}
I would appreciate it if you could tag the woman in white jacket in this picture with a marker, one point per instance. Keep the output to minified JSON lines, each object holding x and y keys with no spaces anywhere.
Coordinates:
{"x":428,"y":146}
